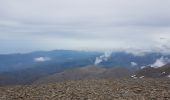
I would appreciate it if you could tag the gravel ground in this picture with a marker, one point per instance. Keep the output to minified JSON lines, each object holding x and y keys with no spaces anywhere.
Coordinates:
{"x":104,"y":89}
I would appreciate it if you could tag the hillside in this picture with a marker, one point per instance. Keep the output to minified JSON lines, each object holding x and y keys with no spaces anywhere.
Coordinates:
{"x":120,"y":89}
{"x":87,"y":72}
{"x":151,"y":72}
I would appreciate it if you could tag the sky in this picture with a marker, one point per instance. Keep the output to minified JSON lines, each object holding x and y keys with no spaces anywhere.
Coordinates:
{"x":98,"y":25}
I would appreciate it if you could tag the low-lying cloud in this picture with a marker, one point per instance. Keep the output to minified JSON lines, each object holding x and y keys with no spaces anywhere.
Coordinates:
{"x":42,"y":59}
{"x":133,"y":64}
{"x":160,"y":62}
{"x":103,"y":57}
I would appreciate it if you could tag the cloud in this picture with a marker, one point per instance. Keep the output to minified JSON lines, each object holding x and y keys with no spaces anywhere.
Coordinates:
{"x":131,"y":25}
{"x":42,"y":59}
{"x":133,"y":64}
{"x":103,"y":57}
{"x":142,"y":67}
{"x":160,"y":62}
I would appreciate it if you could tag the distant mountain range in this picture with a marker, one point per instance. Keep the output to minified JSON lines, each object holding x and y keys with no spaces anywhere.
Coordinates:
{"x":15,"y":62}
{"x":30,"y":67}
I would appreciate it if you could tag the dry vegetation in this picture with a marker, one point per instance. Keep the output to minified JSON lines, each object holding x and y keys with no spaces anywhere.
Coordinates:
{"x":118,"y":89}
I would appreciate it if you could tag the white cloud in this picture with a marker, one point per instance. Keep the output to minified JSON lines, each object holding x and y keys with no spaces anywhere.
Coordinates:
{"x":133,"y":64}
{"x":160,"y":62}
{"x":142,"y":67}
{"x":103,"y":57}
{"x":131,"y":25}
{"x":42,"y":59}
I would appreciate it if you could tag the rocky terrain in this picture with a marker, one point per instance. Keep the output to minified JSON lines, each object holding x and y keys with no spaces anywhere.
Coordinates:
{"x":102,"y":89}
{"x":151,"y":72}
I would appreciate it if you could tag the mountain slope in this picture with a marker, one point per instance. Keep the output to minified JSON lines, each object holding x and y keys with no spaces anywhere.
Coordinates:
{"x":102,"y":89}
{"x":152,"y":72}
{"x":27,"y":68}
{"x":15,"y":62}
{"x":117,"y":72}
{"x":87,"y":72}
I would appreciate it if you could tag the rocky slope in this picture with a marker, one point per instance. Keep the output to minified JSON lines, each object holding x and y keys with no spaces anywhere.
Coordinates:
{"x":118,"y":89}
{"x":161,"y":72}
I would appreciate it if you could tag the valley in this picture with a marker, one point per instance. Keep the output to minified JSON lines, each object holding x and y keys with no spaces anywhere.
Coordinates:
{"x":61,"y":65}
{"x":79,"y":75}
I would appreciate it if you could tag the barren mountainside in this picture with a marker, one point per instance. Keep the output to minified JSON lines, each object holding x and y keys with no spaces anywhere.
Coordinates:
{"x":161,"y":72}
{"x":113,"y":89}
{"x":87,"y":72}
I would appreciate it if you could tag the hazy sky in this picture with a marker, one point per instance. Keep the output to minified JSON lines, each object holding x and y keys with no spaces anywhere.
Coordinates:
{"x":131,"y":25}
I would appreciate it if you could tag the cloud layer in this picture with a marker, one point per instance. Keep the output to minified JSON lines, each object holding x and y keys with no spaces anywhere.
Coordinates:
{"x":130,"y":25}
{"x":160,"y":62}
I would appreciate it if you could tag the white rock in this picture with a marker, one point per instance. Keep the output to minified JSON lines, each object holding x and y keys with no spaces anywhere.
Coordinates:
{"x":134,"y":76}
{"x":163,"y":72}
{"x":142,"y":77}
{"x":168,"y":76}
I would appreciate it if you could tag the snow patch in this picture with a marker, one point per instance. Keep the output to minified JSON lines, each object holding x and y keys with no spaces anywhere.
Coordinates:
{"x":142,"y":77}
{"x":134,"y":76}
